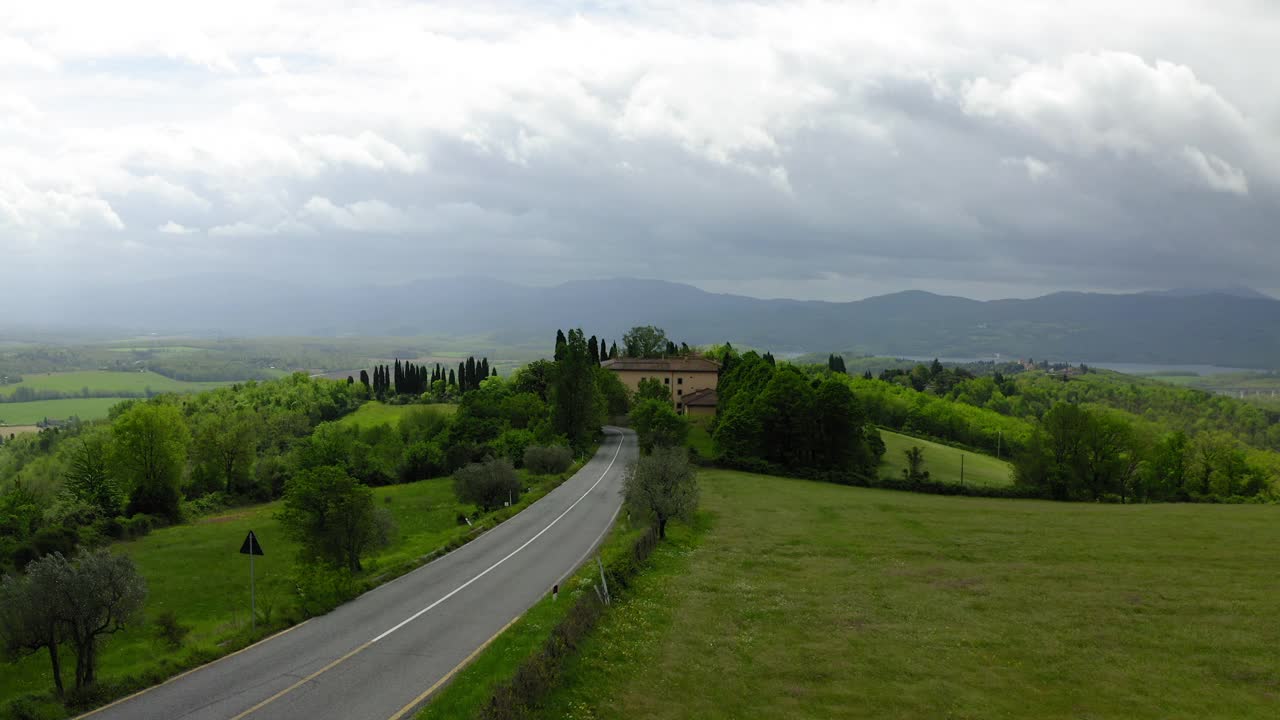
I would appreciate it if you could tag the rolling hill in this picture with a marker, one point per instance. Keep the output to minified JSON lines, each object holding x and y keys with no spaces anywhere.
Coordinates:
{"x":1219,"y":327}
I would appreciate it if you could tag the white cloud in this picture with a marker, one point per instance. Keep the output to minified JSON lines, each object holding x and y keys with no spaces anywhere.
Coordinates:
{"x":173,"y":228}
{"x":745,"y":139}
{"x":269,"y":65}
{"x":1035,"y":168}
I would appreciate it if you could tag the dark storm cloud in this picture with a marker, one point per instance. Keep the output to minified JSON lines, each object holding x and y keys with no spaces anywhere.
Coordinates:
{"x":805,"y":149}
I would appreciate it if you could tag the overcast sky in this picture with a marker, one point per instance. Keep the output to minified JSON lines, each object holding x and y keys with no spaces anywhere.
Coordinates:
{"x":799,"y":149}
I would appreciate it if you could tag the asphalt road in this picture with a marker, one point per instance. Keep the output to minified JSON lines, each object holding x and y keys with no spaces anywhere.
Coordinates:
{"x":376,"y":656}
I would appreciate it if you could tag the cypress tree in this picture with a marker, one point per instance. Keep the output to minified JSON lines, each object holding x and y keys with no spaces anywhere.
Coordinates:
{"x":453,"y":382}
{"x":462,"y":377}
{"x":484,"y":368}
{"x":560,"y":343}
{"x":593,"y":349}
{"x":495,"y":372}
{"x":613,"y":351}
{"x":364,"y":379}
{"x":471,"y":373}
{"x":351,"y":380}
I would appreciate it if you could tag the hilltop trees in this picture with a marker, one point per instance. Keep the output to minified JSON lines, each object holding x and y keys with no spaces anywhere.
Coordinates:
{"x":576,"y":407}
{"x":645,"y":341}
{"x":773,"y":417}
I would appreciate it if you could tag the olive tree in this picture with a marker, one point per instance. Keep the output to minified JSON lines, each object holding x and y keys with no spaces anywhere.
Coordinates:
{"x":70,"y":601}
{"x":663,"y":486}
{"x":487,"y":484}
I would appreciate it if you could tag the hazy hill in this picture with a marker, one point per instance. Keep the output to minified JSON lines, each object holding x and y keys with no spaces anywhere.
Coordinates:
{"x":1228,"y":327}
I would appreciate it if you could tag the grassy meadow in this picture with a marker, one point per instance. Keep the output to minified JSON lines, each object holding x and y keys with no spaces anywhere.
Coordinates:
{"x":943,"y":462}
{"x":30,"y":413}
{"x":377,"y":413}
{"x":800,"y":599}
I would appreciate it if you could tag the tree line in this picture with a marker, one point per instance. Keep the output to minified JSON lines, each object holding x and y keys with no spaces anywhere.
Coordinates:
{"x":411,"y":379}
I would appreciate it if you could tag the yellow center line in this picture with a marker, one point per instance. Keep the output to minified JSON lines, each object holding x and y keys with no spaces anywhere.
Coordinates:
{"x":302,"y":682}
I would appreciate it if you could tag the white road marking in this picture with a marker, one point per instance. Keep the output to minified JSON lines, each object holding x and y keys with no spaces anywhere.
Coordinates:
{"x":510,"y":555}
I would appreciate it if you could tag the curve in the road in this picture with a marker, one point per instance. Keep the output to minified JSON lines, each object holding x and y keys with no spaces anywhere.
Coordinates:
{"x":370,"y":658}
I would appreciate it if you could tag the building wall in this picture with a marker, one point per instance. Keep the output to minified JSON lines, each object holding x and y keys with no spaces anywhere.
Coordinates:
{"x":681,"y":383}
{"x":699,"y":411}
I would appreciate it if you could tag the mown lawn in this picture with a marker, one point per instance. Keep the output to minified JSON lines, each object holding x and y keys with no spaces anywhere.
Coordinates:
{"x":30,"y":413}
{"x":943,"y":462}
{"x":377,"y":413}
{"x":106,"y":381}
{"x":809,"y":600}
{"x":196,"y":570}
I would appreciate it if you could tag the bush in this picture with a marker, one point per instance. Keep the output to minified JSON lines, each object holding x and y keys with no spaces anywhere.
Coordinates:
{"x":547,"y":460}
{"x":169,"y":630}
{"x":110,"y":527}
{"x":320,"y":588}
{"x":138,"y":526}
{"x":512,"y":444}
{"x":488,"y":484}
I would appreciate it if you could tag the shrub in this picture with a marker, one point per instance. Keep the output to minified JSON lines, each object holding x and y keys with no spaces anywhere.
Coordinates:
{"x":487,"y":484}
{"x":169,"y":630}
{"x":547,"y":460}
{"x":138,"y":526}
{"x":512,"y":445}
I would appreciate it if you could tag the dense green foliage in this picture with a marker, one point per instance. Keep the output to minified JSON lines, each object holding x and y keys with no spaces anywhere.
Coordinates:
{"x":773,"y":416}
{"x":332,"y":517}
{"x":657,"y":424}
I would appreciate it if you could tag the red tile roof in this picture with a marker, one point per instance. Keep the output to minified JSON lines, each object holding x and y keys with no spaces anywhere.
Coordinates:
{"x":693,"y":363}
{"x":701,"y":398}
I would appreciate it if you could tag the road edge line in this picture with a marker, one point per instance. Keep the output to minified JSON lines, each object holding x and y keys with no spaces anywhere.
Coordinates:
{"x":185,"y":673}
{"x":416,"y":702}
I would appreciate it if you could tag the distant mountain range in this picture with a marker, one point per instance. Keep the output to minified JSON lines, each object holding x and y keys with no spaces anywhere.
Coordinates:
{"x":1235,"y":327}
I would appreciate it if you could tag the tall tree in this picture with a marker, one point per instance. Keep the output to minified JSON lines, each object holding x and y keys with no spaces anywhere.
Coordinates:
{"x":225,"y":441}
{"x":593,"y":348}
{"x":576,"y":409}
{"x":88,"y":476}
{"x":613,"y":351}
{"x":644,"y":341}
{"x":560,"y":343}
{"x":148,"y":453}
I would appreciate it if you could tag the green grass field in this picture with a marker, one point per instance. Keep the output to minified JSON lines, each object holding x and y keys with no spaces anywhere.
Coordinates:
{"x":196,"y":570}
{"x":105,"y":381}
{"x":943,"y":462}
{"x":30,"y":413}
{"x":376,"y":413}
{"x":810,"y":600}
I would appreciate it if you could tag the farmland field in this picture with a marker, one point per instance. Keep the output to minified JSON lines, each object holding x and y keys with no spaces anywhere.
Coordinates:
{"x":105,"y":381}
{"x":943,"y":462}
{"x":809,"y":600}
{"x":30,"y":413}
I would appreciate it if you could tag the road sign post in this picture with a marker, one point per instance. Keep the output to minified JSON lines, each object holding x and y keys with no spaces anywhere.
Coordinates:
{"x":251,"y":547}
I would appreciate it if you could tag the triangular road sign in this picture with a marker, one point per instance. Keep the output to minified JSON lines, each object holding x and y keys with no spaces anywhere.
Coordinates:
{"x":251,"y":546}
